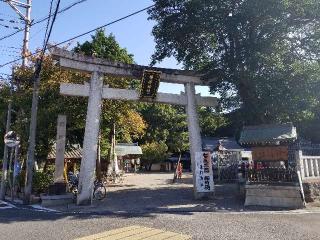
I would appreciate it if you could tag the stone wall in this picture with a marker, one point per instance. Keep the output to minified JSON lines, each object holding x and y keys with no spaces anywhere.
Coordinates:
{"x":311,"y":190}
{"x":273,"y":196}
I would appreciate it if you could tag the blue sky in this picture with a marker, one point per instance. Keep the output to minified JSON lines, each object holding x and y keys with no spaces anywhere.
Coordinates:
{"x":134,"y":33}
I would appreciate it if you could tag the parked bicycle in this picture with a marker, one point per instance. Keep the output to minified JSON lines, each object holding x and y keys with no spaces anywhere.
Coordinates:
{"x":99,"y":190}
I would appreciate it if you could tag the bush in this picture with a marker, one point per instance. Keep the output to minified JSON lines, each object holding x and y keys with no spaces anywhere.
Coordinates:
{"x":153,"y":153}
{"x":41,"y":182}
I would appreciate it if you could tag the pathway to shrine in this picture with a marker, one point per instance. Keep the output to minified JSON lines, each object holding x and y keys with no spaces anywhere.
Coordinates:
{"x":147,"y":193}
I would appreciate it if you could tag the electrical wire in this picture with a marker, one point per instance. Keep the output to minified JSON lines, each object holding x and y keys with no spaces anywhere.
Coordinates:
{"x":37,"y":32}
{"x":48,"y":23}
{"x":4,"y":46}
{"x":83,"y":34}
{"x":5,"y":74}
{"x":11,"y":21}
{"x":44,"y":19}
{"x":9,"y":50}
{"x":13,"y":27}
{"x":47,"y":37}
{"x":10,"y":16}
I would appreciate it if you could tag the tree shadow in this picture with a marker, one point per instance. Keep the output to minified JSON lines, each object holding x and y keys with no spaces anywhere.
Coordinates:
{"x":172,"y":199}
{"x":137,"y":202}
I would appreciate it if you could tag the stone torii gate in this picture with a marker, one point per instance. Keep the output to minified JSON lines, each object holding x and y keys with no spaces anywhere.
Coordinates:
{"x":96,"y":92}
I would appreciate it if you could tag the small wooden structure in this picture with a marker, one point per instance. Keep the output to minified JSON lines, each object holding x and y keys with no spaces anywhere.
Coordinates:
{"x":269,"y":143}
{"x":72,"y":157}
{"x":129,"y":156}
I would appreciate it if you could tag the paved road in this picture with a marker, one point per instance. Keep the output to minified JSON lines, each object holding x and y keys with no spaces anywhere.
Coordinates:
{"x":151,"y":201}
{"x":16,"y":224}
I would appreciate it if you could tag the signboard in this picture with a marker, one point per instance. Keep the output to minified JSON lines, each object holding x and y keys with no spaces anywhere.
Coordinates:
{"x":204,"y":173}
{"x":278,"y":153}
{"x":10,"y":139}
{"x":150,"y":84}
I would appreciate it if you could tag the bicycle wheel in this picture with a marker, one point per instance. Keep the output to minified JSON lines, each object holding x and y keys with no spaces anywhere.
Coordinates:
{"x":100,"y":192}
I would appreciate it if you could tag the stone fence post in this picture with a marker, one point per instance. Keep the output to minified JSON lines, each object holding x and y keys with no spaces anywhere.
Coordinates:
{"x":299,"y":162}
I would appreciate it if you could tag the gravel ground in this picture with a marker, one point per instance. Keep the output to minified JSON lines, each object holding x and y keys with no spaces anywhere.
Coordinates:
{"x":155,"y":193}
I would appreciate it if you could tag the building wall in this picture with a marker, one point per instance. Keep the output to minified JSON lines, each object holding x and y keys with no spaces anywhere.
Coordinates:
{"x":270,"y":153}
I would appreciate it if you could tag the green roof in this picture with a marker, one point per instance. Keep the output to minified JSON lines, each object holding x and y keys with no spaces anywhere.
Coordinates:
{"x":122,"y":150}
{"x":269,"y":134}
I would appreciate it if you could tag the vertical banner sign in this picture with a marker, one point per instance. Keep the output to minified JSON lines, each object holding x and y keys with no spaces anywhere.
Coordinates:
{"x":204,"y":173}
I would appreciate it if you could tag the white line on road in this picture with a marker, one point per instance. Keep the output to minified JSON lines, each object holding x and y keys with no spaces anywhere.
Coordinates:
{"x":7,"y":205}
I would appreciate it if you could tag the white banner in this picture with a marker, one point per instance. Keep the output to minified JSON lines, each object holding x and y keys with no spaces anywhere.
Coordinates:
{"x":204,"y":173}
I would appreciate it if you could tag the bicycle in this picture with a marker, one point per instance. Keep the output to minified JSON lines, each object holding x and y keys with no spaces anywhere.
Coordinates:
{"x":99,"y":190}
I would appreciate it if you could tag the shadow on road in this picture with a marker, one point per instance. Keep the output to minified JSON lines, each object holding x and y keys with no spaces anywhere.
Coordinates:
{"x":174,"y":198}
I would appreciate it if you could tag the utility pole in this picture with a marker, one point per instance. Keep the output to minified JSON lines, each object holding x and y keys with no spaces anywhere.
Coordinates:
{"x":32,"y":136}
{"x":5,"y":154}
{"x":17,"y":6}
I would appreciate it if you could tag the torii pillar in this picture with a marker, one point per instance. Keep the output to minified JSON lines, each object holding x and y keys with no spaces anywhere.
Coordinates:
{"x":96,"y":92}
{"x":90,"y":142}
{"x":194,"y":133}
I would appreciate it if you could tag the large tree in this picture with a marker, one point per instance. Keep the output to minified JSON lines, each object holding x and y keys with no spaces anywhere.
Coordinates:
{"x":168,"y":124}
{"x":115,"y":113}
{"x":128,"y":121}
{"x":262,"y":55}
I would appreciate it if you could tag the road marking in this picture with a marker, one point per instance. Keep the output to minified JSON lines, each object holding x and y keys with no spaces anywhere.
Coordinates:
{"x":136,"y":233}
{"x":6,"y":205}
{"x":39,"y":208}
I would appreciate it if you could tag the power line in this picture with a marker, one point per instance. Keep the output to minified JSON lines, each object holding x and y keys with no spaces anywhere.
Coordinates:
{"x":83,"y":34}
{"x":10,"y":16}
{"x":47,"y":26}
{"x":45,"y":18}
{"x":36,"y":33}
{"x":13,"y":27}
{"x":11,"y":21}
{"x":9,"y":50}
{"x":8,"y":55}
{"x":5,"y":74}
{"x":4,"y":46}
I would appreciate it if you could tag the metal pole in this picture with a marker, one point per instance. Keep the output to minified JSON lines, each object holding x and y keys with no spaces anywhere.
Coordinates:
{"x":5,"y":156}
{"x":26,"y":34}
{"x":5,"y":153}
{"x":32,"y":138}
{"x":10,"y":170}
{"x":15,"y":165}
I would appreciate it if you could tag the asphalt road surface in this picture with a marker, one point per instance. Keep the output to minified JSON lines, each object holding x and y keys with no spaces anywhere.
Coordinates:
{"x":26,"y":223}
{"x":154,"y":202}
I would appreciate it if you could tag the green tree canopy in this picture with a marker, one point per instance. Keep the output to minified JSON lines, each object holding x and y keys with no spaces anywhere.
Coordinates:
{"x":168,"y":124}
{"x":263,"y":55}
{"x":154,"y":152}
{"x":129,"y":122}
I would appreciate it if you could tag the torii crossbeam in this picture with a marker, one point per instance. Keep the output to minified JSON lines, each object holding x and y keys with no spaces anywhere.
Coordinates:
{"x":96,"y":92}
